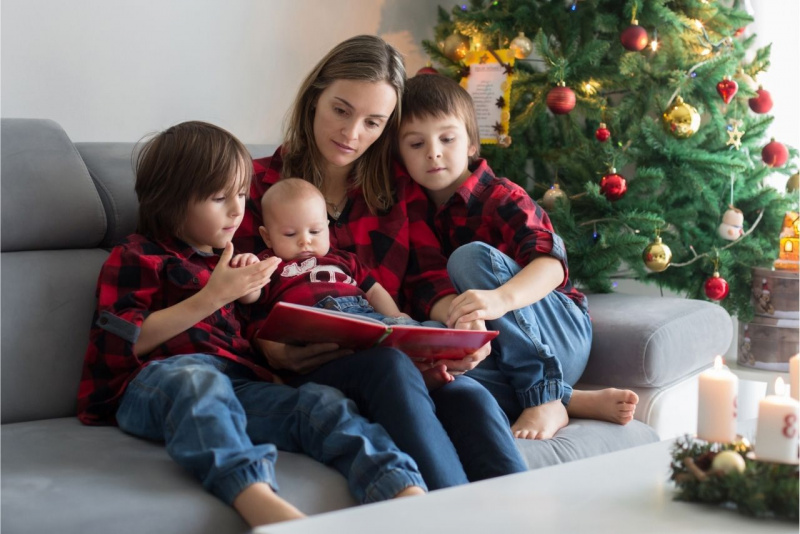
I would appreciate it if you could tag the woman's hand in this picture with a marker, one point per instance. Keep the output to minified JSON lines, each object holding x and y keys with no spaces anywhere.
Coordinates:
{"x":470,"y":361}
{"x":299,"y":359}
{"x":476,"y":304}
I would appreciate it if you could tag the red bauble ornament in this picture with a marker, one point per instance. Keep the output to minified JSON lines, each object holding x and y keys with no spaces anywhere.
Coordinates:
{"x":739,"y":31}
{"x":634,"y":37}
{"x":427,"y":69}
{"x":716,"y":287}
{"x":774,"y":154}
{"x":560,"y":99}
{"x":727,"y":89}
{"x":602,"y":134}
{"x":613,"y":186}
{"x":761,"y":103}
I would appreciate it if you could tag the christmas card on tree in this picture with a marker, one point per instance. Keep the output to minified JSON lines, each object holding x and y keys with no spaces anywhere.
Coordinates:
{"x":296,"y":324}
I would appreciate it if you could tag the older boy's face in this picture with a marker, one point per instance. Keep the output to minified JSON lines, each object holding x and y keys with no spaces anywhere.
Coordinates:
{"x":298,"y":228}
{"x":436,"y":152}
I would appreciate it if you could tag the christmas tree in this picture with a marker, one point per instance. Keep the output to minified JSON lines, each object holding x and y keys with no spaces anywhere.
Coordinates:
{"x":641,"y":128}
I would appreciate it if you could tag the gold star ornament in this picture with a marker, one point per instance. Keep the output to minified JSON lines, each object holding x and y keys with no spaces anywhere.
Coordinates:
{"x":734,"y":135}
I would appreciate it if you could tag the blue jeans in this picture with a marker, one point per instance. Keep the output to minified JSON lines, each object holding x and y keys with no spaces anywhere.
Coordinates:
{"x":542,"y":349}
{"x":460,"y":423}
{"x":361,"y":307}
{"x":225,"y":427}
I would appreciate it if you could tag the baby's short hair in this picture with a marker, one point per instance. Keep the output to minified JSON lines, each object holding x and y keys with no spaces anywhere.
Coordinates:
{"x":434,"y":95}
{"x":288,"y":189}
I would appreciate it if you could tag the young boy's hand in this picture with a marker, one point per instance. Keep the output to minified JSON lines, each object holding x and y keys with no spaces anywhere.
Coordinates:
{"x":228,"y":283}
{"x":476,"y":304}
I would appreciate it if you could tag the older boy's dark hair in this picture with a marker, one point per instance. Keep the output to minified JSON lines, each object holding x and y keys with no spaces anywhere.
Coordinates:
{"x":434,"y":95}
{"x":186,"y":163}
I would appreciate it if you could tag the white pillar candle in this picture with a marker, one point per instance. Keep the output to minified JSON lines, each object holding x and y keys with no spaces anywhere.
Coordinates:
{"x":776,"y":431}
{"x":716,"y":416}
{"x":794,"y":376}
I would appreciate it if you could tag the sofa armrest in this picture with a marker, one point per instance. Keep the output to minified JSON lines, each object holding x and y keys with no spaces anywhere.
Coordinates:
{"x":653,"y":342}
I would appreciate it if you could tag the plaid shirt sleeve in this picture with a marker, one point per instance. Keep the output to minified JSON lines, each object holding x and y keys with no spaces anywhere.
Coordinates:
{"x":126,"y":286}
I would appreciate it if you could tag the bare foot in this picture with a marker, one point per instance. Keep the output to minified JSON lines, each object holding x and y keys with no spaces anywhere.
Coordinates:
{"x":258,"y":504}
{"x":541,"y":422}
{"x":611,"y":404}
{"x":436,"y":377}
{"x":409,"y":491}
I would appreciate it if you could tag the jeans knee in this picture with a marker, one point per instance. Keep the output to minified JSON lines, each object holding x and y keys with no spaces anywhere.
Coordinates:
{"x":468,"y":254}
{"x":195,"y":381}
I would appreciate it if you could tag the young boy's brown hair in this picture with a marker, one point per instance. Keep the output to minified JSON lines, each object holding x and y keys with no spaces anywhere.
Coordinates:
{"x":434,"y":95}
{"x":187,"y":162}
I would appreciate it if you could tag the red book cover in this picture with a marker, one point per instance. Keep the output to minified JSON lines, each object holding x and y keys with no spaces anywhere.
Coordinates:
{"x":296,"y":324}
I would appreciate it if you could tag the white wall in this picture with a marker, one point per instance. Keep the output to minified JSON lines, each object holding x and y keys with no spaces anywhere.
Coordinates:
{"x":111,"y":70}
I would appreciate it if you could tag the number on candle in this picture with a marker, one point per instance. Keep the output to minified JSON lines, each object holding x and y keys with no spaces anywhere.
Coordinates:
{"x":789,"y":429}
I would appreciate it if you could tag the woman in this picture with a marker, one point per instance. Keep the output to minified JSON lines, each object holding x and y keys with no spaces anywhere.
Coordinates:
{"x":339,"y":137}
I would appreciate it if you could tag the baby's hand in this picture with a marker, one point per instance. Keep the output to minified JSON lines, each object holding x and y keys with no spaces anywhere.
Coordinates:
{"x":243,"y":260}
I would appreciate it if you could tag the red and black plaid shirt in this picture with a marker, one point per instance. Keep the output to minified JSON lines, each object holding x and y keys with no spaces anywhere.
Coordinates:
{"x":397,"y":243}
{"x":500,"y":213}
{"x":308,"y":281}
{"x":139,"y":277}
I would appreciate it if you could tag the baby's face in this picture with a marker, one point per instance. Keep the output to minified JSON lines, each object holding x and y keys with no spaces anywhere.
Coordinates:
{"x":298,"y":229}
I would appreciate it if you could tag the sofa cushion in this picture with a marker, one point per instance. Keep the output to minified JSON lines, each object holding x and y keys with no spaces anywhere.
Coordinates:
{"x":47,"y":303}
{"x":60,"y":476}
{"x":583,"y":438}
{"x":48,"y":198}
{"x":643,"y":341}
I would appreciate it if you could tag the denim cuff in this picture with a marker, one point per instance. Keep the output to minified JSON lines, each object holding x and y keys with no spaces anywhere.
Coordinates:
{"x":544,"y":392}
{"x":390,"y":483}
{"x":228,"y":487}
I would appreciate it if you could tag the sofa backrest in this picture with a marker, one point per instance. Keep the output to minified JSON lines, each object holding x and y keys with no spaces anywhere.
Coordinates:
{"x":52,"y":222}
{"x":64,"y":206}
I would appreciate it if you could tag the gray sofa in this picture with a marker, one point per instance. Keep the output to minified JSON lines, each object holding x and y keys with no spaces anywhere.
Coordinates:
{"x":65,"y":204}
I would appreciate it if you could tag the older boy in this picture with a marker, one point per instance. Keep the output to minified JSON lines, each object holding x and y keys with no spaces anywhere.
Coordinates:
{"x":509,"y":266}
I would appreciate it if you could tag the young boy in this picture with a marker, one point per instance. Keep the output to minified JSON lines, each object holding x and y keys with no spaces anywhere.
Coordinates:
{"x":167,"y":360}
{"x":509,"y":266}
{"x":296,"y":230}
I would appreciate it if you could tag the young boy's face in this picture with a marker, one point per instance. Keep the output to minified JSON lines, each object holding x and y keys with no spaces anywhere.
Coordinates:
{"x":211,"y":222}
{"x":297,"y":228}
{"x":436,"y":152}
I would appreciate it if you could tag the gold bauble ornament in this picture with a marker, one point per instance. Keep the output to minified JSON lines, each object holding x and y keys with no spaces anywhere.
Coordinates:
{"x":793,"y":183}
{"x":681,"y":119}
{"x":521,"y":46}
{"x":552,"y":196}
{"x":455,"y":47}
{"x":728,"y":462}
{"x":657,"y":256}
{"x":504,"y":140}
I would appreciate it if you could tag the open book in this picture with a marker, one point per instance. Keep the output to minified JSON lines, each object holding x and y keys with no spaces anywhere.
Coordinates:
{"x":296,"y":324}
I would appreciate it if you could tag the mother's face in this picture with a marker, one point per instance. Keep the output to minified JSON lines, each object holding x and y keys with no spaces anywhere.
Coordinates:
{"x":350,"y":116}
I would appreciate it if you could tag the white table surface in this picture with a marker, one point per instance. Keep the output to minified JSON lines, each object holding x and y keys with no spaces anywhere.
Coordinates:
{"x":626,"y":491}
